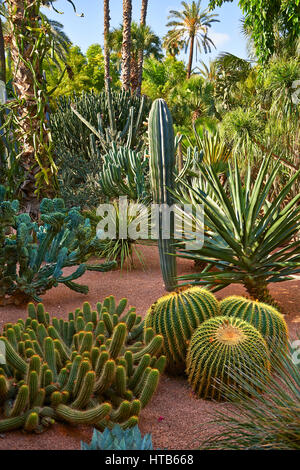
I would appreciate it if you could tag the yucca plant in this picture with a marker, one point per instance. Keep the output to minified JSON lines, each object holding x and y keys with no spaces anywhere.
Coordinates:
{"x":267,"y":421}
{"x":249,"y":238}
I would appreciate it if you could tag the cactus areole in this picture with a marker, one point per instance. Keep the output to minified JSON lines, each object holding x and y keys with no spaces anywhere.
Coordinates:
{"x":162,"y":164}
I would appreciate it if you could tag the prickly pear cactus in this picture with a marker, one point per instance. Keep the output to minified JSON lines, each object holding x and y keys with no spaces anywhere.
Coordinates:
{"x":221,"y":350}
{"x":265,"y":318}
{"x":86,"y":370}
{"x":32,"y":256}
{"x":175,"y":316}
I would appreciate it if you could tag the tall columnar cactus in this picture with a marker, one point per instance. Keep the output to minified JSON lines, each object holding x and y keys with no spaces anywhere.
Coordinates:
{"x":87,"y":370}
{"x":32,"y":260}
{"x":162,"y":166}
{"x":221,"y":350}
{"x":265,"y":318}
{"x":175,"y":317}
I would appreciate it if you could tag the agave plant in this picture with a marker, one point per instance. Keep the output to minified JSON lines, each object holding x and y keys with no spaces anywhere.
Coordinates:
{"x":267,"y":421}
{"x":249,"y":240}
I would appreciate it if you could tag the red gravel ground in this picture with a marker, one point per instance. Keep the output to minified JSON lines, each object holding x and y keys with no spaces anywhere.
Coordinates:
{"x":174,"y":417}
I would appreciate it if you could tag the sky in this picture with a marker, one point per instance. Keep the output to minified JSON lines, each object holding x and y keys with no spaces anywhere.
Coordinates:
{"x":87,"y":30}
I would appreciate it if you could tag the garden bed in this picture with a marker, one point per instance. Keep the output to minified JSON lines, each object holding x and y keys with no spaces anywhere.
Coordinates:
{"x":176,"y":419}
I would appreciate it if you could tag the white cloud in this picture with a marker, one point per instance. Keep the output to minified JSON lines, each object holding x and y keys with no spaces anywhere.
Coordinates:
{"x":219,"y":39}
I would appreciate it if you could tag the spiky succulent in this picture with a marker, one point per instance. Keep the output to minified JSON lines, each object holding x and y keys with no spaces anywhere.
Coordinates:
{"x":265,"y":318}
{"x":222,"y":349}
{"x":175,"y":316}
{"x":119,"y":439}
{"x":87,"y":370}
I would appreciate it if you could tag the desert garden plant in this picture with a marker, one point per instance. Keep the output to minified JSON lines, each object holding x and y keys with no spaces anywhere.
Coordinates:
{"x":119,"y":439}
{"x":221,"y":350}
{"x":32,"y":256}
{"x":266,"y":319}
{"x":268,"y":420}
{"x":250,"y":239}
{"x":86,"y":370}
{"x":176,"y":316}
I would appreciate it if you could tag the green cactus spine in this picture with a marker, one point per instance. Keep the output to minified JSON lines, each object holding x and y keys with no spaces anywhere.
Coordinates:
{"x":162,"y":166}
{"x":175,"y":316}
{"x":265,"y":318}
{"x":222,"y":349}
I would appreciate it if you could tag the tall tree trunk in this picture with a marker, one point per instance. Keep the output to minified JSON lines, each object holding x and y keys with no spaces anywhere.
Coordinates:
{"x":23,"y":81}
{"x":2,"y":55}
{"x":126,"y":46}
{"x":190,"y":65}
{"x":141,"y":52}
{"x":106,"y":45}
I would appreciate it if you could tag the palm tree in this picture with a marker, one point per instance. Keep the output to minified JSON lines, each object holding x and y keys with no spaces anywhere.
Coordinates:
{"x":142,"y":37}
{"x":141,"y":51}
{"x":126,"y":44}
{"x":106,"y":45}
{"x":191,"y":25}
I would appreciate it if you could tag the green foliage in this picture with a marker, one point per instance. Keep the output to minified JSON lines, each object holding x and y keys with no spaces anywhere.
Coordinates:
{"x":266,"y":21}
{"x":161,"y":77}
{"x":125,"y":172}
{"x":33,"y":259}
{"x":268,"y":420}
{"x":162,"y":165}
{"x":248,"y":234}
{"x":268,"y":321}
{"x":176,"y":316}
{"x":84,"y":129}
{"x":84,"y":73}
{"x":221,"y":351}
{"x":119,"y":439}
{"x":86,"y":370}
{"x":117,"y":248}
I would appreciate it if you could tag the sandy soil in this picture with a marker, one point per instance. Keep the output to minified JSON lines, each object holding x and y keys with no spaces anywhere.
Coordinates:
{"x":174,"y":417}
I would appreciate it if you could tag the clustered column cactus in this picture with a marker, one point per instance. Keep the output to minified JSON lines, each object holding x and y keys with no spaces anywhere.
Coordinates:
{"x":162,"y":166}
{"x":87,"y":370}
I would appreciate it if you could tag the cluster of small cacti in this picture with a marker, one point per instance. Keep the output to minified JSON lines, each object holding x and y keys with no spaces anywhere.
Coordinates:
{"x":32,"y":256}
{"x":88,"y":370}
{"x":216,"y":343}
{"x":119,"y":439}
{"x":176,"y":316}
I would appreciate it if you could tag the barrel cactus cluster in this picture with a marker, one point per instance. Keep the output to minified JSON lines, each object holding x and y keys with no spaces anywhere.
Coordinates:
{"x":89,"y":369}
{"x":217,"y":343}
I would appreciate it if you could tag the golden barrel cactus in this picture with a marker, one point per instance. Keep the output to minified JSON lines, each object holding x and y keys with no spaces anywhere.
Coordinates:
{"x":221,"y":350}
{"x":176,"y":316}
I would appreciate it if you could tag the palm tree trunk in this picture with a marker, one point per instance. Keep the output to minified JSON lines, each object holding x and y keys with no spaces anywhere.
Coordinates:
{"x":2,"y":55}
{"x":23,"y":81}
{"x":190,"y":65}
{"x":106,"y":45}
{"x":141,"y":52}
{"x":126,"y":45}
